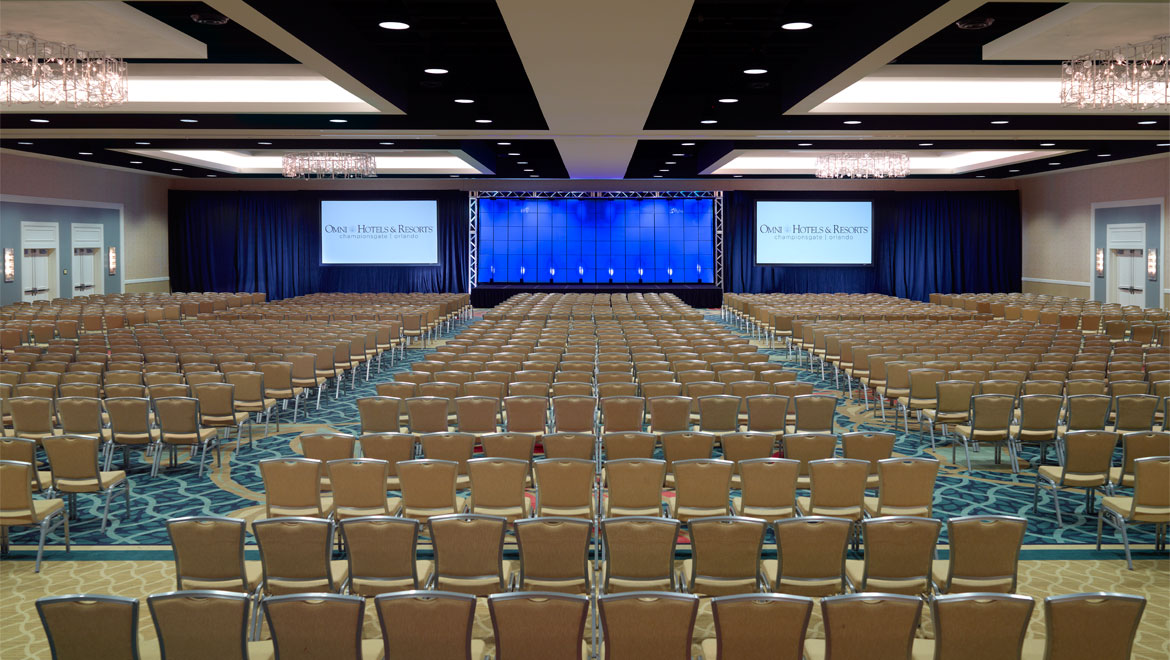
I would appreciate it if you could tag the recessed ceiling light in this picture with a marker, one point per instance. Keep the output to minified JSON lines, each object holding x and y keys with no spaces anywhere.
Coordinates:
{"x":465,"y":100}
{"x":338,"y":121}
{"x":678,"y":155}
{"x":926,"y":144}
{"x":1147,"y":122}
{"x":264,"y":143}
{"x":27,"y":144}
{"x":1000,"y":121}
{"x":529,"y":170}
{"x":84,"y":153}
{"x":513,"y":153}
{"x":804,"y":144}
{"x":1013,"y":170}
{"x":436,"y":71}
{"x":211,"y":176}
{"x":39,"y":121}
{"x":483,"y":121}
{"x":671,"y":162}
{"x":504,"y":144}
{"x":852,"y":122}
{"x":688,"y":144}
{"x":1103,"y":155}
{"x":1048,"y":144}
{"x":729,"y":100}
{"x":394,"y":25}
{"x":1054,"y":163}
{"x":176,"y":169}
{"x":754,"y":72}
{"x":709,"y":121}
{"x":386,"y":143}
{"x":189,"y":121}
{"x":798,"y":25}
{"x":141,"y":143}
{"x":135,"y":162}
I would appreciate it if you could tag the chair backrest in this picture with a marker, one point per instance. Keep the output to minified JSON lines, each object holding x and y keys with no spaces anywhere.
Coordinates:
{"x":760,"y":626}
{"x":702,"y":487}
{"x":808,"y":447}
{"x":984,"y":553}
{"x":382,"y":414}
{"x":128,"y":415}
{"x":669,"y":413}
{"x":316,"y":625}
{"x":80,"y":414}
{"x":193,"y":625}
{"x":31,"y":414}
{"x":574,"y":414}
{"x":177,"y":415}
{"x":327,"y":446}
{"x":535,"y":625}
{"x":1088,"y":457}
{"x":639,"y":553}
{"x":73,"y":458}
{"x":814,"y":412}
{"x":428,"y":487}
{"x":294,"y":554}
{"x":1091,"y":625}
{"x":569,"y":445}
{"x":907,"y":486}
{"x":16,"y":492}
{"x":648,"y":625}
{"x":1040,"y":412}
{"x":739,"y":447}
{"x":768,"y":487}
{"x":992,"y":412}
{"x":447,"y":446}
{"x":683,"y":445}
{"x":359,"y":487}
{"x":767,"y":412}
{"x":635,"y":483}
{"x":628,"y":444}
{"x":209,"y":552}
{"x":469,"y":550}
{"x":1151,"y":489}
{"x":564,"y":487}
{"x":498,"y":483}
{"x":393,"y":448}
{"x":964,"y":625}
{"x":872,"y":446}
{"x":1135,"y":412}
{"x":719,"y":413}
{"x":838,"y":486}
{"x":725,"y":554}
{"x":554,"y":554}
{"x":477,"y":414}
{"x":292,"y":487}
{"x":623,"y":413}
{"x":870,"y":625}
{"x":381,"y":554}
{"x":810,"y":552}
{"x":899,"y":551}
{"x":426,"y":624}
{"x":82,"y":626}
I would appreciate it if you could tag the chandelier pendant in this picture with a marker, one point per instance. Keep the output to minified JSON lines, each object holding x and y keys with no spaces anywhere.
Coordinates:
{"x":863,"y":165}
{"x":1129,"y":77}
{"x":33,"y":70}
{"x":329,"y":165}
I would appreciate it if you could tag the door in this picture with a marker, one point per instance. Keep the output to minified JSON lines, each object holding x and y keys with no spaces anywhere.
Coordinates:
{"x":1129,"y":277}
{"x":35,"y":275}
{"x":84,"y":265}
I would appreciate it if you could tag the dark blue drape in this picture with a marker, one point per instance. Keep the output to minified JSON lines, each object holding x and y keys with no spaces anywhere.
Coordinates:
{"x":271,"y":242}
{"x":924,"y":242}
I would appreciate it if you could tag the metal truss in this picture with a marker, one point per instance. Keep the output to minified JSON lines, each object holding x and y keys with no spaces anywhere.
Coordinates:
{"x":472,"y":240}
{"x":599,"y":194}
{"x":718,"y":196}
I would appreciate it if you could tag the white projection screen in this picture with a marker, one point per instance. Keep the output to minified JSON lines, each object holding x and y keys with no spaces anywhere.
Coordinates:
{"x":814,"y":233}
{"x":379,"y":232}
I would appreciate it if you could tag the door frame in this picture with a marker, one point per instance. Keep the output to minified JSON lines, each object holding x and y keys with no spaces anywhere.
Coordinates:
{"x":43,"y":236}
{"x":1160,"y":285}
{"x":77,"y":239}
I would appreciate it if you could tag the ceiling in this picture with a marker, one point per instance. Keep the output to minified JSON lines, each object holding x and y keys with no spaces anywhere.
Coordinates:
{"x":588,"y":89}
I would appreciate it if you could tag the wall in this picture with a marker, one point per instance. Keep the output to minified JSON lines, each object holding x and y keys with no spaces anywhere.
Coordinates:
{"x":1058,"y":220}
{"x":143,"y":199}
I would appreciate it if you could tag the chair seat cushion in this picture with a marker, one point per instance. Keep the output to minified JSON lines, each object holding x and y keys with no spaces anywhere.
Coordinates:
{"x":1053,"y":473}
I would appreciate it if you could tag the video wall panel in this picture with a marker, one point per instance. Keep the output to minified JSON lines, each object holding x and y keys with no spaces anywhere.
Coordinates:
{"x":583,"y":240}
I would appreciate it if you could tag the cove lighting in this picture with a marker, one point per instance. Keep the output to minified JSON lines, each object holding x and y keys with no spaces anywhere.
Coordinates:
{"x":246,"y":162}
{"x":678,"y":155}
{"x":386,"y":143}
{"x":465,"y":100}
{"x":755,"y":72}
{"x":189,"y":121}
{"x":688,"y":144}
{"x":39,"y":121}
{"x":729,"y":100}
{"x":797,"y":25}
{"x":264,"y":143}
{"x":27,"y":144}
{"x":84,"y":153}
{"x":804,"y":144}
{"x":504,"y":144}
{"x":435,"y":72}
{"x":852,"y":122}
{"x":1000,"y":121}
{"x":141,"y":143}
{"x":1104,"y":155}
{"x":338,"y":121}
{"x":483,"y":121}
{"x":1147,"y":122}
{"x":1048,"y":144}
{"x":709,"y":121}
{"x":394,"y":25}
{"x":926,"y":144}
{"x":135,"y":162}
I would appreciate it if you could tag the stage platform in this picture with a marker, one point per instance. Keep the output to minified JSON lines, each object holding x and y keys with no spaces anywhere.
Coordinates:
{"x":705,"y":296}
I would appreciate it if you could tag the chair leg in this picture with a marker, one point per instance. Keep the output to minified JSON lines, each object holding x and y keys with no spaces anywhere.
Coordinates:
{"x":1100,"y":522}
{"x":296,"y":407}
{"x":126,"y":496}
{"x":1036,"y":495}
{"x":1125,"y":540}
{"x":967,"y":450}
{"x":106,"y":513}
{"x":1056,"y":502}
{"x":40,"y":546}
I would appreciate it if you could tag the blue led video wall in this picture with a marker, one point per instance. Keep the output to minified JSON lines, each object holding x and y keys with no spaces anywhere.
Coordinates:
{"x":585,"y":240}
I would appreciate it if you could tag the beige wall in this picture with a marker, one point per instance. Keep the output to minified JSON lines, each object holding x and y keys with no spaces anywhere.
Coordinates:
{"x":1058,"y":222}
{"x":143,"y":197}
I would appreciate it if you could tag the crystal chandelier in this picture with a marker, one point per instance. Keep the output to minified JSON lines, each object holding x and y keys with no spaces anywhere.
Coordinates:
{"x":47,"y":73}
{"x":329,"y":165}
{"x":863,"y":165}
{"x":1130,"y":77}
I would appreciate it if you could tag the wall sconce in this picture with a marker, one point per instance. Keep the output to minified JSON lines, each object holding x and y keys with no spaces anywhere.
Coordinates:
{"x":611,"y":274}
{"x":493,"y":278}
{"x":522,"y":273}
{"x":9,"y":265}
{"x":639,"y":275}
{"x":580,"y":274}
{"x":699,"y":273}
{"x":1100,"y":266}
{"x":669,"y":274}
{"x":551,"y":273}
{"x":1152,"y":264}
{"x":113,"y":260}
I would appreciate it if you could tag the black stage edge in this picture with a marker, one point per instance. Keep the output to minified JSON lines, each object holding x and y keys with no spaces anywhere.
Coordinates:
{"x":703,"y":296}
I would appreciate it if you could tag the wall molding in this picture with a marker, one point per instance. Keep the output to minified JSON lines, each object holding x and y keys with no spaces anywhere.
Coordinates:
{"x":1042,"y":280}
{"x":144,"y":280}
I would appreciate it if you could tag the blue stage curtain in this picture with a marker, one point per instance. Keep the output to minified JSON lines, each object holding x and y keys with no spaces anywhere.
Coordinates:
{"x":271,"y":242}
{"x":924,"y":242}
